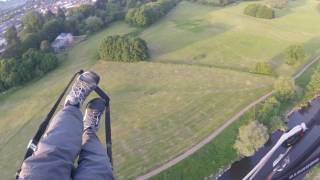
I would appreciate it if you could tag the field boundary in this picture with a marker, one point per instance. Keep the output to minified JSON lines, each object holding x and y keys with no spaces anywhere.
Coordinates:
{"x":213,"y":135}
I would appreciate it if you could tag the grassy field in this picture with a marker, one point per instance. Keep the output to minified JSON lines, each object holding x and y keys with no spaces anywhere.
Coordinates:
{"x":224,"y":37}
{"x":161,"y":108}
{"x":158,"y":110}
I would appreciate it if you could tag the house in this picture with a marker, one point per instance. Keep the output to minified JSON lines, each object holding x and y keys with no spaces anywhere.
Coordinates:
{"x":63,"y":41}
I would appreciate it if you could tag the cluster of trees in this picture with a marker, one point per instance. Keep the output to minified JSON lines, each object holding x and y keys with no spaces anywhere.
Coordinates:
{"x":254,"y":135}
{"x":87,"y":19}
{"x":149,"y":13}
{"x":313,"y":87}
{"x":295,"y":54}
{"x":124,"y":48}
{"x":214,"y":2}
{"x":263,"y":68}
{"x":32,"y":64}
{"x":259,"y":11}
{"x":251,"y":137}
{"x":38,"y":29}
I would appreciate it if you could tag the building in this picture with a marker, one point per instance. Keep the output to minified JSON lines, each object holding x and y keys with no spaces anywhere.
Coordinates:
{"x":63,"y":41}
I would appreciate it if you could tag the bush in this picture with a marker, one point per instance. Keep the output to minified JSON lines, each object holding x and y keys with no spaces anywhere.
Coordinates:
{"x":259,"y":11}
{"x":270,"y":108}
{"x":124,"y":48}
{"x":284,"y":89}
{"x":251,"y":137}
{"x":149,"y":13}
{"x":263,"y":68}
{"x":313,"y":87}
{"x":294,"y":54}
{"x":94,"y":23}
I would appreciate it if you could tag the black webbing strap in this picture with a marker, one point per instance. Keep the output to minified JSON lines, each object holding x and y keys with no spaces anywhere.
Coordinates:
{"x":103,"y":95}
{"x":32,"y":146}
{"x":42,"y":128}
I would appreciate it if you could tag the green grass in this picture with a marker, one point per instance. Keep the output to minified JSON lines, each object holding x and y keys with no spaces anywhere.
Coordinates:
{"x":158,"y":110}
{"x":191,"y":86}
{"x":224,"y":37}
{"x":209,"y":159}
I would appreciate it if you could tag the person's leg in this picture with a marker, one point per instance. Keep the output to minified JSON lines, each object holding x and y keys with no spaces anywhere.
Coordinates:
{"x":57,"y":149}
{"x":93,"y":159}
{"x":61,"y":143}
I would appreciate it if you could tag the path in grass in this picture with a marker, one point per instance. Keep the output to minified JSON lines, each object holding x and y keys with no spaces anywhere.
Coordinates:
{"x":158,"y":110}
{"x":218,"y":131}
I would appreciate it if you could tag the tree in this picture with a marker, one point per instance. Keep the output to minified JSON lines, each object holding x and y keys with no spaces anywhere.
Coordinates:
{"x":313,"y":86}
{"x":31,"y":40}
{"x":259,"y":11}
{"x":251,"y":137}
{"x":123,"y":48}
{"x":11,"y":36}
{"x":101,"y":4}
{"x":13,"y":48}
{"x":149,"y":13}
{"x":33,"y":21}
{"x":49,"y":15}
{"x":263,"y":68}
{"x":284,"y":88}
{"x":61,"y":14}
{"x":52,"y":29}
{"x":294,"y":54}
{"x":45,"y":46}
{"x":94,"y":23}
{"x":270,"y":108}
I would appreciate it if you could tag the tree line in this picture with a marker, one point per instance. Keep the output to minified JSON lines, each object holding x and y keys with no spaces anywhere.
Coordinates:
{"x":149,"y":13}
{"x":32,"y":64}
{"x":123,"y":48}
{"x":259,"y":11}
{"x":28,"y":54}
{"x":214,"y":2}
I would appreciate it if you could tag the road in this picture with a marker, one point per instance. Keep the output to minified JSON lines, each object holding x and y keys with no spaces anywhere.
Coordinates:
{"x":208,"y":139}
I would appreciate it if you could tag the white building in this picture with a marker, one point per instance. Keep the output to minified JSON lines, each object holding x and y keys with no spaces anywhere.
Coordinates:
{"x":63,"y":41}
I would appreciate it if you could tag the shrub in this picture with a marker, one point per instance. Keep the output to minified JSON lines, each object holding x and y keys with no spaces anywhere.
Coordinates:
{"x":94,"y":23}
{"x":251,"y":137}
{"x":263,"y":68}
{"x":149,"y":13}
{"x":124,"y":48}
{"x":259,"y":11}
{"x":294,"y":54}
{"x":313,"y":86}
{"x":271,"y":107}
{"x":284,"y":88}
